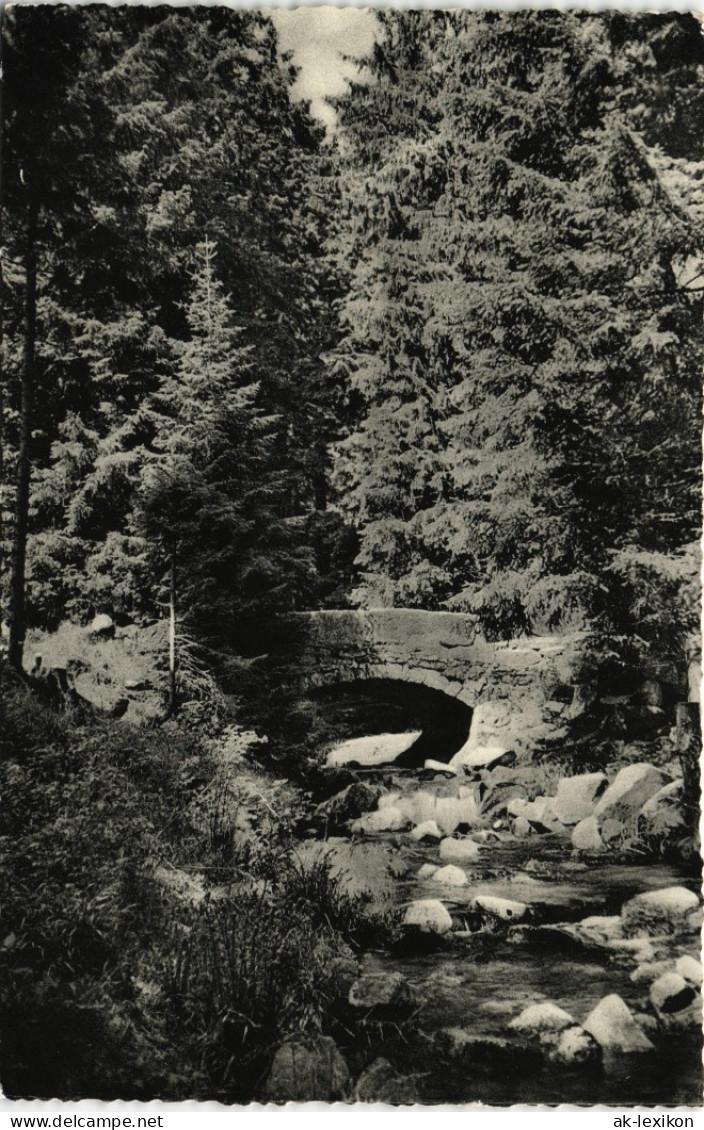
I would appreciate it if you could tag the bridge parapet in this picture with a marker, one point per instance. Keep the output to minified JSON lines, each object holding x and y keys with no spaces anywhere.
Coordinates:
{"x":442,"y":650}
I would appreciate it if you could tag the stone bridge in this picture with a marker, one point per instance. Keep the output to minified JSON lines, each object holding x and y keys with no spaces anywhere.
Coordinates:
{"x":524,"y":687}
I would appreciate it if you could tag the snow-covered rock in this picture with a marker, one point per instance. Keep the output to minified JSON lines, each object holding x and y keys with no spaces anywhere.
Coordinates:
{"x":439,"y":767}
{"x":689,"y":968}
{"x":373,"y":749}
{"x":481,"y":757}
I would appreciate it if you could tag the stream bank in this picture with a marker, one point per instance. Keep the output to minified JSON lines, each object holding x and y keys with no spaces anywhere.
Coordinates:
{"x":498,"y":914}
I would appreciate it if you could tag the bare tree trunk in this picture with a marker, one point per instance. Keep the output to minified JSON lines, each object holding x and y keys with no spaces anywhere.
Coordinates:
{"x":688,"y":745}
{"x":17,"y":604}
{"x":172,"y":637}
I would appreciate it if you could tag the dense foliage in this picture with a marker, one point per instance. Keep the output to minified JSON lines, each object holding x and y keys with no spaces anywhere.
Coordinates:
{"x":503,"y":318}
{"x":153,"y":162}
{"x":448,"y":357}
{"x":154,"y":913}
{"x":524,"y":359}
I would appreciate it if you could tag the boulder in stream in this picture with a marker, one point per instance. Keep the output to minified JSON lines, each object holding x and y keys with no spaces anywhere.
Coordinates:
{"x":666,"y":911}
{"x":427,"y":832}
{"x":357,"y":799}
{"x":491,"y":906}
{"x":486,"y":1055}
{"x":380,"y":1083}
{"x":671,"y":993}
{"x":430,"y":916}
{"x":383,"y":820}
{"x":628,"y":792}
{"x":668,"y":797}
{"x":306,"y":1069}
{"x":689,"y":968}
{"x":572,"y":1047}
{"x":102,"y":627}
{"x":462,"y":851}
{"x":427,"y":870}
{"x":613,"y":1026}
{"x":586,"y":835}
{"x":683,"y":1023}
{"x":543,"y":1017}
{"x":450,"y":876}
{"x":383,"y":996}
{"x":540,"y":813}
{"x":577,"y":796}
{"x":649,"y":971}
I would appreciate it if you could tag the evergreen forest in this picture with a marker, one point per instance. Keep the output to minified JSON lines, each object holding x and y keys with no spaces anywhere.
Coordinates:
{"x":443,"y":356}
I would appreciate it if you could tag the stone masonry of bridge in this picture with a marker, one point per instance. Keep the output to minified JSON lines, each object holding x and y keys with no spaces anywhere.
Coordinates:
{"x":523,"y":688}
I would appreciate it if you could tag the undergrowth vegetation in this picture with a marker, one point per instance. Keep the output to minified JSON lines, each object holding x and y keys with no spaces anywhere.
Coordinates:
{"x":155,"y":912}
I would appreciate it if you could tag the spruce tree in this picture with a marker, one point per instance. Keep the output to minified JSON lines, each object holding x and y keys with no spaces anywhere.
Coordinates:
{"x":180,"y":122}
{"x":532,"y":242}
{"x":212,"y":503}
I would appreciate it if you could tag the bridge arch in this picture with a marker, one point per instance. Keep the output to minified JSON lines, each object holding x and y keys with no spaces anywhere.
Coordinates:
{"x":342,"y":672}
{"x":379,"y":703}
{"x":516,"y":687}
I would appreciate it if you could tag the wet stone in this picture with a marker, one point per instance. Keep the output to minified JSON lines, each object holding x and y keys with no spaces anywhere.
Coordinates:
{"x":383,"y":996}
{"x":427,"y":832}
{"x":429,"y":916}
{"x":380,"y":1083}
{"x":667,"y":910}
{"x":486,"y":1055}
{"x":613,"y":1026}
{"x":508,"y":910}
{"x":464,"y":851}
{"x":307,"y":1069}
{"x":349,"y":804}
{"x":671,"y":993}
{"x":573,"y":1047}
{"x":537,"y":1019}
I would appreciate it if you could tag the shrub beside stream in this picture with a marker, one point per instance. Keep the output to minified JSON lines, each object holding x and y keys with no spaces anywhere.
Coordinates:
{"x":155,"y":913}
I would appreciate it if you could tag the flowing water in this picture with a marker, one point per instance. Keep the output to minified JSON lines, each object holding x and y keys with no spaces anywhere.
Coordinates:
{"x":490,"y":977}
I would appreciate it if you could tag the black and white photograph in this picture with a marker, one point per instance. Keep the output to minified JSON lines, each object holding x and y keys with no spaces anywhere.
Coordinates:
{"x":351,"y":515}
